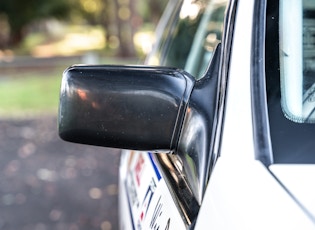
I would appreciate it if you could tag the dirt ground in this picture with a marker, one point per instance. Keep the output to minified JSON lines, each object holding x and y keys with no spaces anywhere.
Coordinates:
{"x":48,"y":184}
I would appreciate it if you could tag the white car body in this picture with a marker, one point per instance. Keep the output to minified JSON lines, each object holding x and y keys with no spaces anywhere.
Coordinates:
{"x":242,"y":193}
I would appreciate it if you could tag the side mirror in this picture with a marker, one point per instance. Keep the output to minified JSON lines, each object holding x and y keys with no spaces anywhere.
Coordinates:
{"x":128,"y":107}
{"x":146,"y":108}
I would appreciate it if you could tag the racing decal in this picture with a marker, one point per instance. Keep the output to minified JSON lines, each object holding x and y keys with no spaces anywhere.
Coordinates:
{"x":155,"y":223}
{"x":133,"y":197}
{"x":158,"y":174}
{"x":139,"y":168}
{"x":150,"y":203}
{"x":147,"y":200}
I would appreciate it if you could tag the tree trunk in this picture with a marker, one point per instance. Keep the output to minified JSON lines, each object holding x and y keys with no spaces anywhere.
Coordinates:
{"x":125,"y":30}
{"x":16,"y":38}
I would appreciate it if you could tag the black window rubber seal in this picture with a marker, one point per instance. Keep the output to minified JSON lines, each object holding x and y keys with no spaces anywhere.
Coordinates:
{"x":261,"y":132}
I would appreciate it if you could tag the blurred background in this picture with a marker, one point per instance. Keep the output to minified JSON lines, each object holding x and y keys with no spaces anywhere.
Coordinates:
{"x":39,"y":38}
{"x":46,"y":183}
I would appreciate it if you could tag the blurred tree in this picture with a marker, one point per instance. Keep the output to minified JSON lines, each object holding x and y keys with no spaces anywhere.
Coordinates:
{"x":20,"y":13}
{"x":151,"y":10}
{"x":125,"y":13}
{"x":90,"y":10}
{"x":120,"y":18}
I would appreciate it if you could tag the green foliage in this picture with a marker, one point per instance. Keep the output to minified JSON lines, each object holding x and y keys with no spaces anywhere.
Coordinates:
{"x":151,"y":10}
{"x":20,"y":13}
{"x":121,"y":19}
{"x":38,"y":94}
{"x":36,"y":91}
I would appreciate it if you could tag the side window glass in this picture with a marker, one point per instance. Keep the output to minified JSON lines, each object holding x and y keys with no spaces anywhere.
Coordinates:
{"x":192,"y":39}
{"x":207,"y":37}
{"x":297,"y":59}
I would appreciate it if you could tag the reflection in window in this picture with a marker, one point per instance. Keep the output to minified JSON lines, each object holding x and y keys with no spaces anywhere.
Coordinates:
{"x":207,"y":37}
{"x":191,"y":40}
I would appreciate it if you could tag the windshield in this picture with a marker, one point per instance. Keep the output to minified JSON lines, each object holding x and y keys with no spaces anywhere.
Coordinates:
{"x":191,"y":36}
{"x":297,"y":59}
{"x":290,"y":78}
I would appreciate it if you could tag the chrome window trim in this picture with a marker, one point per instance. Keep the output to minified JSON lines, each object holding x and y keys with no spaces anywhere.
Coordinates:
{"x":222,"y":84}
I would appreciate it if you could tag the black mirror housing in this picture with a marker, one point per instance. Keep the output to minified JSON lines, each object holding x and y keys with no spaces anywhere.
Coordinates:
{"x":128,"y":107}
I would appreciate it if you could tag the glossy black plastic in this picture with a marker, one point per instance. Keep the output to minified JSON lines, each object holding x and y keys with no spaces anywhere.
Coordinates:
{"x":196,"y":140}
{"x":129,"y":107}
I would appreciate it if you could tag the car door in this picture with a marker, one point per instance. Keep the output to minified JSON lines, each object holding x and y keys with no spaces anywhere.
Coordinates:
{"x":196,"y":37}
{"x":261,"y":179}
